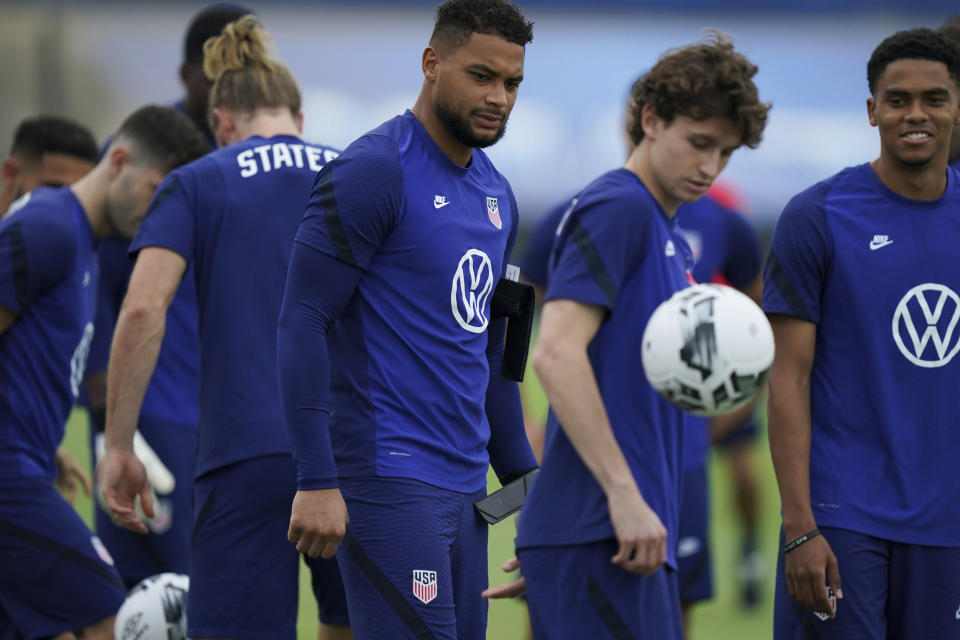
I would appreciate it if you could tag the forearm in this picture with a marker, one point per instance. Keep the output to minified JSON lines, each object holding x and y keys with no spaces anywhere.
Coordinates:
{"x":509,"y":449}
{"x":133,"y":357}
{"x":570,"y":384}
{"x":789,"y":433}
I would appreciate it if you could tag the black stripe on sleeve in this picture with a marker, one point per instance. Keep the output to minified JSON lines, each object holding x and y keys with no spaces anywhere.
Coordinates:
{"x":611,"y":619}
{"x":202,"y":515}
{"x":588,"y":250}
{"x":388,"y":591}
{"x":51,"y":546}
{"x":162,"y":195}
{"x":331,"y":215}
{"x":18,"y":256}
{"x":781,"y":281}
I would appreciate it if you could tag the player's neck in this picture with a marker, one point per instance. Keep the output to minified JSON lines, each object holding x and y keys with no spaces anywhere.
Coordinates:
{"x":640,"y":163}
{"x":91,"y":191}
{"x":268,"y":123}
{"x":451,"y":147}
{"x":916,"y":183}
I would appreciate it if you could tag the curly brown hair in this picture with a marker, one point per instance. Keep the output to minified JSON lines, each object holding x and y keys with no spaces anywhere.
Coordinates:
{"x":701,"y":81}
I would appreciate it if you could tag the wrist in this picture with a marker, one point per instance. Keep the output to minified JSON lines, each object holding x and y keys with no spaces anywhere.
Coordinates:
{"x":796,"y":527}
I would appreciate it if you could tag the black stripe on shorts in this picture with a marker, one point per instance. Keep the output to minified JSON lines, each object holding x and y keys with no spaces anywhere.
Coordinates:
{"x":611,"y":619}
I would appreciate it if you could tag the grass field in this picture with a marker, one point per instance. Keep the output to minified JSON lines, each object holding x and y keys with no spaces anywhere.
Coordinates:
{"x":720,"y":619}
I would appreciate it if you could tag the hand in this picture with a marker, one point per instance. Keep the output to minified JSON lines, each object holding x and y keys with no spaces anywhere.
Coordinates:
{"x":510,"y":590}
{"x":68,"y":473}
{"x":807,"y":569}
{"x":640,"y":534}
{"x":122,"y":479}
{"x":318,"y":522}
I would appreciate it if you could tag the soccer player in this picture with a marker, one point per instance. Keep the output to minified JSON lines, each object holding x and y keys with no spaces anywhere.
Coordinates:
{"x":168,"y":416}
{"x":601,"y":519}
{"x":47,"y":151}
{"x":231,"y":215}
{"x":861,"y":290}
{"x":390,"y":282}
{"x":57,"y":578}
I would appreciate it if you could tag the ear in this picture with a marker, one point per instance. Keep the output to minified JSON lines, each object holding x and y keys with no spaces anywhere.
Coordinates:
{"x":225,"y":125}
{"x":430,"y":63}
{"x":872,"y":112}
{"x":652,"y":123}
{"x":10,"y":170}
{"x":184,"y":73}
{"x":119,"y":158}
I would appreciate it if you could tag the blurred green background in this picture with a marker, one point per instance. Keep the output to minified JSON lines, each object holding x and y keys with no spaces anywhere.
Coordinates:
{"x":720,"y":619}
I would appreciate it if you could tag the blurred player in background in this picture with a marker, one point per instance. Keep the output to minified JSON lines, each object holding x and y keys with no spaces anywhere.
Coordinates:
{"x":861,"y":287}
{"x":600,"y":521}
{"x":47,"y":151}
{"x":57,"y":578}
{"x":166,"y":430}
{"x":232,"y":216}
{"x":951,"y":29}
{"x":404,"y":240}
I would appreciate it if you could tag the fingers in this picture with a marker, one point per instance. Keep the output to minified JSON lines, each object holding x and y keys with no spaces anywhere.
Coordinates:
{"x":146,"y":500}
{"x":643,"y":557}
{"x":122,"y":512}
{"x":510,"y":590}
{"x":833,"y":577}
{"x":511,"y":565}
{"x":85,"y":481}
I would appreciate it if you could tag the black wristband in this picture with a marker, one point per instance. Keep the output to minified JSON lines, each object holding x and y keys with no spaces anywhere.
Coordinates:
{"x":799,"y":541}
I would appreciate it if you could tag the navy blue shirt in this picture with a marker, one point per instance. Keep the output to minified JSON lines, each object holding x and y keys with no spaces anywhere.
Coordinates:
{"x":410,"y":371}
{"x":48,"y":278}
{"x":616,"y":249}
{"x":232,"y":215}
{"x":878,"y":274}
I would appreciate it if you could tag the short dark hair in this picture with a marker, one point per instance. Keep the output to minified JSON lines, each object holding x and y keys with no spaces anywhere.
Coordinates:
{"x":457,"y":20}
{"x":53,"y":134}
{"x":914,"y":44}
{"x":206,"y":24}
{"x":166,"y":137}
{"x":701,"y":81}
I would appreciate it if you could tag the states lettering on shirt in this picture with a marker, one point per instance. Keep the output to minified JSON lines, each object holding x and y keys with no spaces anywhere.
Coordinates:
{"x":268,"y":157}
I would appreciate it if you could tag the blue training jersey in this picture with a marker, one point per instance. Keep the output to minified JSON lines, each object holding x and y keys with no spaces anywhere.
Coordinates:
{"x":878,"y":274}
{"x":726,"y":250}
{"x":410,"y":371}
{"x":233,"y":215}
{"x":48,"y":278}
{"x":618,"y":250}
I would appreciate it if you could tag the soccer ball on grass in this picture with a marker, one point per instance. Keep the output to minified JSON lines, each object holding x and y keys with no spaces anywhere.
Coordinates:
{"x":155,"y":609}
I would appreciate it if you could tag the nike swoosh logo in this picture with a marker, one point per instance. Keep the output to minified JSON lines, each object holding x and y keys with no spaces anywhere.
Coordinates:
{"x":440,"y":205}
{"x":879,"y":245}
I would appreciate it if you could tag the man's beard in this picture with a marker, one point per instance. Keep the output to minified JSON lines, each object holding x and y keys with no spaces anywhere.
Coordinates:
{"x":459,"y":128}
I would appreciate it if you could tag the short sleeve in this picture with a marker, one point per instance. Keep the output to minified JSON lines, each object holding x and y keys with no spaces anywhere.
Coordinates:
{"x":170,"y":221}
{"x":596,"y":249}
{"x":800,"y":257}
{"x":743,"y":262}
{"x":536,"y":258}
{"x":355,"y":203}
{"x":36,"y":253}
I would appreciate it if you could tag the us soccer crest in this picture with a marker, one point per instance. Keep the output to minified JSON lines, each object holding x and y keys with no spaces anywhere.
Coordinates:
{"x":493,"y":212}
{"x":833,"y":605}
{"x":424,"y":585}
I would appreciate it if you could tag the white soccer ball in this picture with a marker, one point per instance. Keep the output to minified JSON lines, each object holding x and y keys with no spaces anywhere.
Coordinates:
{"x":707,"y":349}
{"x":155,"y":609}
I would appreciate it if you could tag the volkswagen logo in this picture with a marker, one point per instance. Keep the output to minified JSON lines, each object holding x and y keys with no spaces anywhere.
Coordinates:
{"x":472,"y":286}
{"x":925,"y":325}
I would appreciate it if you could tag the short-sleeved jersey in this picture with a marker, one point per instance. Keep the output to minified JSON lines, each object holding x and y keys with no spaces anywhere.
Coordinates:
{"x":233,"y":215}
{"x":172,"y":393}
{"x":618,"y":250}
{"x":536,"y":255}
{"x":878,"y":274}
{"x":48,"y":278}
{"x":726,"y":251}
{"x":410,"y":374}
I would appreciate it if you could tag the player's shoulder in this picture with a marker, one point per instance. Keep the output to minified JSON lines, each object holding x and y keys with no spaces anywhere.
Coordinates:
{"x":44,"y":211}
{"x":811,"y":203}
{"x":617,"y":197}
{"x":379,"y":149}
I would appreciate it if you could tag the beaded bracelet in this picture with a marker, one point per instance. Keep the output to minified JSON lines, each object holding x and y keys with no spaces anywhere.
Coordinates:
{"x":799,"y":541}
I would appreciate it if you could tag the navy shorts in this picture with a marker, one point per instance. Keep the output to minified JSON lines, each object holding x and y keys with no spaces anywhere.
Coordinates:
{"x":744,"y":433}
{"x":575,"y":592}
{"x":244,"y":573}
{"x":166,"y":547}
{"x":891,"y":591}
{"x":55,"y":575}
{"x":414,"y":561}
{"x":694,"y":575}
